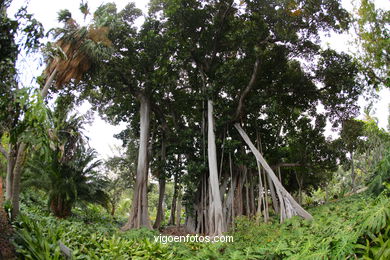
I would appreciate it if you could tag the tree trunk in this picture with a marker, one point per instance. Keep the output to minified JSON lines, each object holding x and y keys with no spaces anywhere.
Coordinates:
{"x":160,"y":211}
{"x":48,"y":83}
{"x":174,"y":203}
{"x":10,"y":170}
{"x":113,"y":209}
{"x":273,"y":195}
{"x":353,"y":175}
{"x":161,"y":184}
{"x":7,"y":250}
{"x":290,"y":206}
{"x":178,"y":210}
{"x":216,"y":221}
{"x":17,"y":174}
{"x":252,"y":196}
{"x":139,"y":216}
{"x":61,"y":207}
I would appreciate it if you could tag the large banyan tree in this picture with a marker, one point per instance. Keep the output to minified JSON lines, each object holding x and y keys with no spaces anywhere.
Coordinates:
{"x":200,"y":76}
{"x":247,"y":64}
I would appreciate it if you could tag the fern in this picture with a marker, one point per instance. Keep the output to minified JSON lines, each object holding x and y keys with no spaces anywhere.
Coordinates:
{"x":378,"y":217}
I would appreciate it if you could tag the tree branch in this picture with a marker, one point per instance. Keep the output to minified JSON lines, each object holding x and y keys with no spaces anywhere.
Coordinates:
{"x":4,"y":152}
{"x":245,"y":92}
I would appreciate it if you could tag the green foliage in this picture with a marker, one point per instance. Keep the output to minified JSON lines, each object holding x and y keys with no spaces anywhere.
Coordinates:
{"x":337,"y":232}
{"x":373,"y":32}
{"x":38,"y":237}
{"x":381,"y":175}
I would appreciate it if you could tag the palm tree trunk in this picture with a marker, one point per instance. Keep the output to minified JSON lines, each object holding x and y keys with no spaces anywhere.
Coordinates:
{"x":174,"y":203}
{"x":139,"y":216}
{"x":48,"y":83}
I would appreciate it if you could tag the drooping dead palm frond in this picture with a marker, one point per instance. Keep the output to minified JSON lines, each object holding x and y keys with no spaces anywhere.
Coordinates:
{"x":83,"y":47}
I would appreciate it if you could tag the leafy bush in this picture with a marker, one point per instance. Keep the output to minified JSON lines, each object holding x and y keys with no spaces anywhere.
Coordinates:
{"x":38,"y":237}
{"x":337,"y":232}
{"x":381,"y":175}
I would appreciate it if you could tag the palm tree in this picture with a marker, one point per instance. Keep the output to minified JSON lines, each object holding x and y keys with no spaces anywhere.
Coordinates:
{"x":67,"y":170}
{"x":77,"y":49}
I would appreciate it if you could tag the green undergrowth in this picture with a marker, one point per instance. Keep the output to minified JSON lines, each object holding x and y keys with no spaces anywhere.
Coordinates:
{"x":353,"y":227}
{"x":357,"y":226}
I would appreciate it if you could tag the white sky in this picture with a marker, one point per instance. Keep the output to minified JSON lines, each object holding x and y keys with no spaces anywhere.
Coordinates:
{"x":100,"y":132}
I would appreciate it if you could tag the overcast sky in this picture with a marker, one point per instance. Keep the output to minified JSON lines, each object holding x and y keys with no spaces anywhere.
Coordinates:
{"x":101,"y":133}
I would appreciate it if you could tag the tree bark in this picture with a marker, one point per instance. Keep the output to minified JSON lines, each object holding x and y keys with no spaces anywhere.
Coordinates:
{"x":160,"y":213}
{"x":10,"y":170}
{"x":174,"y":203}
{"x":48,"y":83}
{"x":353,"y":175}
{"x":216,"y":221}
{"x":161,"y":185}
{"x":291,"y":207}
{"x":7,"y":250}
{"x":178,"y":210}
{"x":17,"y":174}
{"x":139,"y":216}
{"x":273,"y":195}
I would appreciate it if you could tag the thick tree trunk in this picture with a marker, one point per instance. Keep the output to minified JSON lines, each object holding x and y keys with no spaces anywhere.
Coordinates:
{"x":290,"y":206}
{"x":216,"y":220}
{"x":139,"y":216}
{"x":60,"y":207}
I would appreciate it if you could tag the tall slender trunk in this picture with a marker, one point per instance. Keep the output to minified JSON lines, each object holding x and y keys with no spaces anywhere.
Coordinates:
{"x":266,"y":208}
{"x":160,"y":211}
{"x":216,"y":220}
{"x":178,"y":209}
{"x":48,"y":83}
{"x":273,"y":195}
{"x":161,"y":185}
{"x":10,"y":170}
{"x":353,"y":175}
{"x":252,"y":196}
{"x":17,"y":174}
{"x":174,"y":202}
{"x":139,"y":216}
